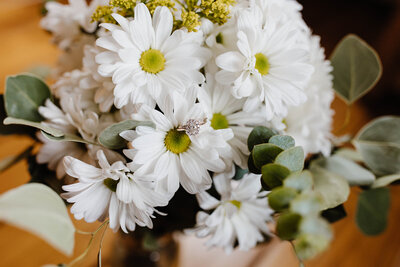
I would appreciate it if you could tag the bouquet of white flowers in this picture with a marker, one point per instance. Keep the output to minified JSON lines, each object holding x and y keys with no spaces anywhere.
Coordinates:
{"x":210,"y":117}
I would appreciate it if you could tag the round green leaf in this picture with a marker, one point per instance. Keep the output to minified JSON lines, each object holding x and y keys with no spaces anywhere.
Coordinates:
{"x":348,"y":169}
{"x":38,"y":209}
{"x":264,"y":154}
{"x":279,"y":199}
{"x":333,"y":189}
{"x":24,"y":95}
{"x":292,"y":158}
{"x":283,"y":141}
{"x":356,"y":68}
{"x":379,"y":144}
{"x":288,"y":225}
{"x":273,"y":175}
{"x":299,"y":180}
{"x":386,"y":180}
{"x":372,"y":210}
{"x":306,"y":204}
{"x":259,"y":135}
{"x":110,"y":137}
{"x":251,"y":166}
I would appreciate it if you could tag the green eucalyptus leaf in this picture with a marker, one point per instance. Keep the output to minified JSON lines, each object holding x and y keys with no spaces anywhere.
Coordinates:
{"x":11,"y":160}
{"x":12,"y":129}
{"x":372,"y":210}
{"x":292,"y":158}
{"x":264,"y":154}
{"x":348,"y":169}
{"x":350,"y":154}
{"x":386,"y":180}
{"x":24,"y":94}
{"x":306,"y":204}
{"x":315,"y":236}
{"x":273,"y":175}
{"x":299,"y":180}
{"x":38,"y":209}
{"x":259,"y":135}
{"x":379,"y":144}
{"x":283,"y":141}
{"x":251,"y":166}
{"x":333,"y":189}
{"x":52,"y":131}
{"x":279,"y":199}
{"x":356,"y":68}
{"x":68,"y":138}
{"x":110,"y":137}
{"x":287,"y":226}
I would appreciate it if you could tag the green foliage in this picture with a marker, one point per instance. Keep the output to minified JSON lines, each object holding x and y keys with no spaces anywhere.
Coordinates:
{"x":274,"y":174}
{"x":292,"y":158}
{"x":288,"y":225}
{"x":379,"y":144}
{"x":283,"y":141}
{"x":372,"y":210}
{"x":332,"y":188}
{"x":38,"y":209}
{"x":385,"y":180}
{"x":67,"y":138}
{"x":300,"y":181}
{"x":51,"y":131}
{"x":356,"y":68}
{"x":264,"y":154}
{"x":259,"y":135}
{"x":12,"y":129}
{"x":24,"y":94}
{"x":110,"y":137}
{"x":279,"y":199}
{"x":293,"y":194}
{"x":348,"y":169}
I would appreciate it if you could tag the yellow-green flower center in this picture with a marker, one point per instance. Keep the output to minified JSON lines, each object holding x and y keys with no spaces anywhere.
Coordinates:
{"x":111,"y":184}
{"x":219,"y":121}
{"x":152,"y":61}
{"x":177,"y":141}
{"x":262,"y":64}
{"x":238,"y":204}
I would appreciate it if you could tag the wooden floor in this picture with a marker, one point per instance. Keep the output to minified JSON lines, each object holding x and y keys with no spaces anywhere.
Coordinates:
{"x":24,"y":45}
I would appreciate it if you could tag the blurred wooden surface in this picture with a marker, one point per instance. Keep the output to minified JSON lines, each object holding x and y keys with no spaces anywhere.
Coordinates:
{"x":24,"y":45}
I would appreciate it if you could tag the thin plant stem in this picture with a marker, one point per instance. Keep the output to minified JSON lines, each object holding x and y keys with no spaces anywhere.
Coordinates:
{"x":301,"y":263}
{"x":93,"y":235}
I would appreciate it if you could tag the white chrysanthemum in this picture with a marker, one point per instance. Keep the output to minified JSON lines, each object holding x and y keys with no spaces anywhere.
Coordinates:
{"x":224,"y":111}
{"x":268,"y":65}
{"x":182,"y":147}
{"x":110,"y":191}
{"x":240,"y":214}
{"x":66,"y":22}
{"x":310,"y":123}
{"x":145,"y":60}
{"x":71,"y":120}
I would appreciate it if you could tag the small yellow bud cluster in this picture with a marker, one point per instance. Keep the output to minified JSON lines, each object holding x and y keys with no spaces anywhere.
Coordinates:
{"x":152,"y":5}
{"x":103,"y":13}
{"x":216,"y":11}
{"x":190,"y":20}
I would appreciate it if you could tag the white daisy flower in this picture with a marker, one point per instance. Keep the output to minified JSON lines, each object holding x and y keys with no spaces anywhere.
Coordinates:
{"x":145,"y":60}
{"x":110,"y":191}
{"x":224,"y":111}
{"x":310,"y":123}
{"x":240,"y":214}
{"x":182,"y":147}
{"x":66,"y":22}
{"x":267,"y":66}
